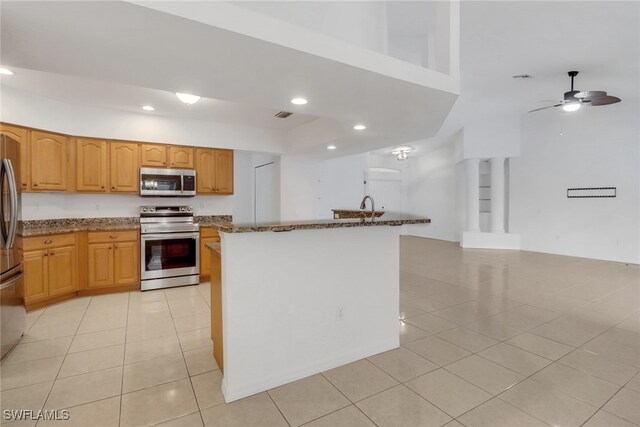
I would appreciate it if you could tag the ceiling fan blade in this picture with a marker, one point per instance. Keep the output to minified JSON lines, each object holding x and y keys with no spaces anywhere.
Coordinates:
{"x":544,"y":108}
{"x":605,"y":100}
{"x":590,"y":95}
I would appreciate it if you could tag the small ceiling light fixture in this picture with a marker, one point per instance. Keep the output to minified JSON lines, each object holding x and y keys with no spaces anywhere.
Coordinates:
{"x":572,"y":106}
{"x":402,"y":153}
{"x":331,"y":147}
{"x":187,"y":98}
{"x":147,"y":108}
{"x":359,"y":127}
{"x":6,"y":72}
{"x":298,"y":101}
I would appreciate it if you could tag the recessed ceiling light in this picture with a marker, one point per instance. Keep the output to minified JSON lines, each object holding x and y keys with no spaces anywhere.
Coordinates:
{"x":6,"y":72}
{"x":147,"y":108}
{"x":331,"y":147}
{"x":299,"y":101}
{"x":187,"y":98}
{"x":359,"y":127}
{"x":401,"y":149}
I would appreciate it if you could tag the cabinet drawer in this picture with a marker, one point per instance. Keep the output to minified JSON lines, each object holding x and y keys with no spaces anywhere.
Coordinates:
{"x":50,"y":241}
{"x":208,"y":232}
{"x":112,"y":236}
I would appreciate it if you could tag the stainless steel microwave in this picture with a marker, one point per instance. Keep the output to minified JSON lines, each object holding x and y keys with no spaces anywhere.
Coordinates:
{"x":167,"y":182}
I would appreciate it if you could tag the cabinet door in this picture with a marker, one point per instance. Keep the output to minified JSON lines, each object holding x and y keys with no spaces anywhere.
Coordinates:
{"x":205,"y":255}
{"x":48,"y":161}
{"x":91,"y":167}
{"x":224,"y":171}
{"x":35,"y":275}
{"x":181,"y":157}
{"x":126,"y":263}
{"x":153,"y":155}
{"x":100,"y":256}
{"x":21,"y":135}
{"x":62,"y":270}
{"x":124,"y":167}
{"x":205,"y":176}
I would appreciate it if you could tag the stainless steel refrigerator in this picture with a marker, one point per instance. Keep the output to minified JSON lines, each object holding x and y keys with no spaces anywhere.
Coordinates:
{"x":12,"y":311}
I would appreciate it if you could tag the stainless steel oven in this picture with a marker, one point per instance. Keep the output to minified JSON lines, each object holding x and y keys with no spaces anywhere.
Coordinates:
{"x":169,"y":247}
{"x":167,"y":182}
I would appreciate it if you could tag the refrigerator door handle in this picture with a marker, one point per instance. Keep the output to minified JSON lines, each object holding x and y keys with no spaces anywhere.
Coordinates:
{"x":11,"y":281}
{"x":13,"y":193}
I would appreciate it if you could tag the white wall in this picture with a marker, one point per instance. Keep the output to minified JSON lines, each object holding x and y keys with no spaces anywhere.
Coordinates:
{"x":342,"y":183}
{"x":593,"y":147}
{"x":73,"y":205}
{"x":299,"y":187}
{"x":432,"y":188}
{"x":363,"y":24}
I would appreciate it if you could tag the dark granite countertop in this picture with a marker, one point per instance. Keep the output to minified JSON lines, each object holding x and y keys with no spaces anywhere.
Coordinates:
{"x":388,"y":219}
{"x":68,"y":225}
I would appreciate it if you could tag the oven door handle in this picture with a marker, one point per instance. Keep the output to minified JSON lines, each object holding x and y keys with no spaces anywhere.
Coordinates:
{"x":170,"y":236}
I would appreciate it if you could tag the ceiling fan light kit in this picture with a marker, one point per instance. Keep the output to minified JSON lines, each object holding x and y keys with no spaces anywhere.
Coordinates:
{"x":575,"y":99}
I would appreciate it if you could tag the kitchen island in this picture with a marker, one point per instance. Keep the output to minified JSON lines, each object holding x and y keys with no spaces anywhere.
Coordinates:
{"x":293,"y":299}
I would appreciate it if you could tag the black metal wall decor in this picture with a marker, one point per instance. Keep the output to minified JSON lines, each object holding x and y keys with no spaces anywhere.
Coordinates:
{"x":594,"y":192}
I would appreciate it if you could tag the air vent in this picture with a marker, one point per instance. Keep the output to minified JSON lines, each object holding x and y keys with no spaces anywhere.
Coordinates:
{"x":283,"y":114}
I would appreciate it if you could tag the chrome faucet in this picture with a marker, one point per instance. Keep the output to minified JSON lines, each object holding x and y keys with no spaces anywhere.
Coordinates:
{"x":363,"y":205}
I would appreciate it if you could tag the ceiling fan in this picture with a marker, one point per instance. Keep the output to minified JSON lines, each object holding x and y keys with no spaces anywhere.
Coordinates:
{"x":574,"y":99}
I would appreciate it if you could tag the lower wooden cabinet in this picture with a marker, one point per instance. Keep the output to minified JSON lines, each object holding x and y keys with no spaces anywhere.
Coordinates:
{"x":207,"y":235}
{"x":113,"y":259}
{"x":50,"y":266}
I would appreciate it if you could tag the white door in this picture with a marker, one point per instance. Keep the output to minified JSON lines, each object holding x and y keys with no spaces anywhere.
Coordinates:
{"x":267,"y":206}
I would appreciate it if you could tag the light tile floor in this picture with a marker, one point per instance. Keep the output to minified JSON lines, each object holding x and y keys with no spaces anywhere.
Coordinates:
{"x":489,"y":338}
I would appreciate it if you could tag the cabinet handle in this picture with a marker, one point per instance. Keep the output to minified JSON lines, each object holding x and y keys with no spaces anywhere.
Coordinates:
{"x":116,"y":246}
{"x":113,"y":188}
{"x":109,"y":247}
{"x":46,"y":254}
{"x":102,"y":187}
{"x":164,"y":163}
{"x":35,"y":185}
{"x":51,"y":254}
{"x":46,"y":242}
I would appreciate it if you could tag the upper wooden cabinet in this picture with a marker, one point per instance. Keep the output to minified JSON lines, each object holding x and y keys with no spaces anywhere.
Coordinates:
{"x":54,"y":162}
{"x":124,"y":167}
{"x":162,"y":156}
{"x":214,"y":171}
{"x":153,"y":155}
{"x":22,"y":136}
{"x":205,"y":171}
{"x":91,"y":165}
{"x":224,"y":171}
{"x":49,"y":163}
{"x":181,"y":157}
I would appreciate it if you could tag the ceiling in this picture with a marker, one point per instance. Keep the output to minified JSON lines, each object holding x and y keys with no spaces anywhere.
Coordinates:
{"x":122,"y":55}
{"x":101,"y":53}
{"x":78,"y":90}
{"x":500,"y":39}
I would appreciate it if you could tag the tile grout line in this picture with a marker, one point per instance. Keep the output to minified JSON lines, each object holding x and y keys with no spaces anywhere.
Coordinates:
{"x":193,"y":390}
{"x":64,"y":358}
